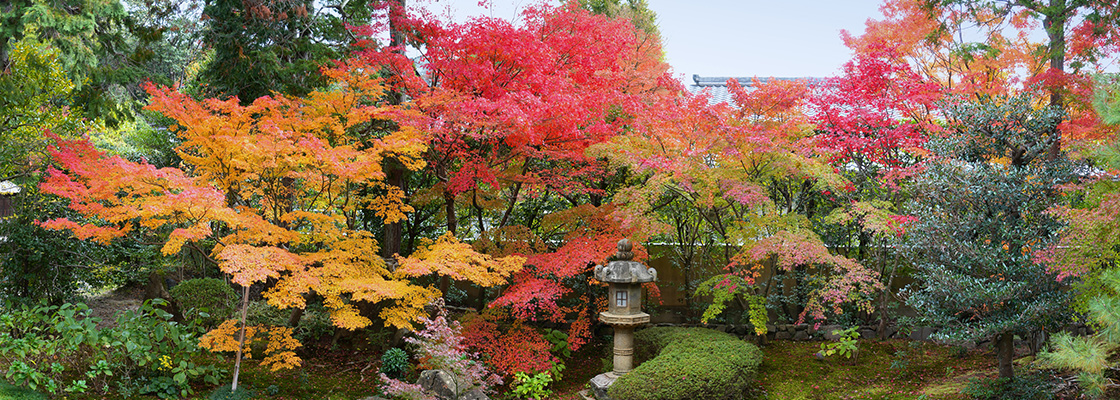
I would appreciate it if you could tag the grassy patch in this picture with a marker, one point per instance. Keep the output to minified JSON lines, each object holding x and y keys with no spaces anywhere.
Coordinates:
{"x":789,"y":371}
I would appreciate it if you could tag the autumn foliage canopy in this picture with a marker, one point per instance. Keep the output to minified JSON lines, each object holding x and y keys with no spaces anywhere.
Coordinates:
{"x":514,"y":156}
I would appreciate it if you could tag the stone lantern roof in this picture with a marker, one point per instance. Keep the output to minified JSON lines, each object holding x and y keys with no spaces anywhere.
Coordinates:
{"x":623,"y":269}
{"x":7,"y":188}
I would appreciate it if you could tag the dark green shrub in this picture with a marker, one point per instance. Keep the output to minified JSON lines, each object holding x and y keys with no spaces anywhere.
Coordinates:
{"x":210,"y":295}
{"x":1024,"y":386}
{"x":313,"y":326}
{"x":394,"y":362}
{"x":689,"y":363}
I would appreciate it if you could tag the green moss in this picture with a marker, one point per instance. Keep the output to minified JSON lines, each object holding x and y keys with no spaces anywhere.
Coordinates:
{"x":9,"y":392}
{"x":330,"y":375}
{"x":789,"y":371}
{"x":690,"y":363}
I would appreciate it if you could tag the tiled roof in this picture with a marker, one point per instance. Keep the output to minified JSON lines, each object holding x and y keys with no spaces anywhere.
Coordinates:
{"x":716,"y":86}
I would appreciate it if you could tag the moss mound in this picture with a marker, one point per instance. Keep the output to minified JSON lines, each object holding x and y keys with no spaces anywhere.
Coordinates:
{"x":689,"y":363}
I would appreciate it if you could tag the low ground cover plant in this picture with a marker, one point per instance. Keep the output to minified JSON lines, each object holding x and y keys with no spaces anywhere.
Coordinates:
{"x":60,"y":350}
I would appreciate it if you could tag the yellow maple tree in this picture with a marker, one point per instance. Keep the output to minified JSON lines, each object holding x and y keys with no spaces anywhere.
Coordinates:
{"x":282,"y":186}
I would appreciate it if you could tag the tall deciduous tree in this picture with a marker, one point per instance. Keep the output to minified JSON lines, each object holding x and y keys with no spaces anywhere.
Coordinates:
{"x":986,"y":47}
{"x":509,"y":110}
{"x":509,"y":106}
{"x":742,"y":168}
{"x":1075,"y":29}
{"x":875,"y":119}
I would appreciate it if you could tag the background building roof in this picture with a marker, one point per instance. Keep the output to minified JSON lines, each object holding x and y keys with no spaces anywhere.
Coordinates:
{"x":716,"y":86}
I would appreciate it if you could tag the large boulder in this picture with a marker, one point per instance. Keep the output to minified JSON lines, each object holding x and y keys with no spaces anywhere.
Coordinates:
{"x":440,"y":383}
{"x":446,"y":386}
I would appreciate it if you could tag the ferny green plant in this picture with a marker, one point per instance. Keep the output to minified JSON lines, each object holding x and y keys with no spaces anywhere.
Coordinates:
{"x":533,"y":386}
{"x":847,"y":345}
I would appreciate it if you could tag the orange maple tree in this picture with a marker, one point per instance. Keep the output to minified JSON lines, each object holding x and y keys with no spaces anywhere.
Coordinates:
{"x":280,"y":186}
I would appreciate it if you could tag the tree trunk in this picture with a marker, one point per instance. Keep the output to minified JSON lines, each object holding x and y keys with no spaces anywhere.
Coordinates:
{"x":452,"y":226}
{"x":449,"y":208}
{"x":394,"y":170}
{"x":241,"y":337}
{"x":394,"y":233}
{"x":294,"y":318}
{"x":1055,"y":26}
{"x":481,"y":298}
{"x":1005,"y":352}
{"x":155,"y":288}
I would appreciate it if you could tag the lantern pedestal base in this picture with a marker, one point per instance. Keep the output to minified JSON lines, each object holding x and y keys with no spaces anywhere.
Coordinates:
{"x":600,"y":383}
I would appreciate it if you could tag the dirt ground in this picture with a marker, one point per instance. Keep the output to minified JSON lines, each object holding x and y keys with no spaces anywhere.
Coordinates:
{"x":105,"y":307}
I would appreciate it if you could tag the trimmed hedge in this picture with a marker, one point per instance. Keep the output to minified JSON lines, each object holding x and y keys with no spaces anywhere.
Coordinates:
{"x":689,"y":363}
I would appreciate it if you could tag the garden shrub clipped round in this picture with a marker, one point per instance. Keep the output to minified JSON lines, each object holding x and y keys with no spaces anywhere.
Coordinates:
{"x":212,"y":295}
{"x":689,"y":363}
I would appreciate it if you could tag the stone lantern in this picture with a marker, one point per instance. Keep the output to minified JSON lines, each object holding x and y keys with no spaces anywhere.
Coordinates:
{"x":624,"y":278}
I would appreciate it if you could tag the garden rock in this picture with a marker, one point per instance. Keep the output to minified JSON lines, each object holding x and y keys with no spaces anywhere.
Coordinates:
{"x":921,"y":333}
{"x":440,"y":383}
{"x":826,"y":332}
{"x":867,"y":333}
{"x":801,"y":336}
{"x":474,"y":394}
{"x":890,"y":332}
{"x":599,"y":385}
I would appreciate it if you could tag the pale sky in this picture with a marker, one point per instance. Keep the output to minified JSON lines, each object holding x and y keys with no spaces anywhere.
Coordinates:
{"x":792,"y":38}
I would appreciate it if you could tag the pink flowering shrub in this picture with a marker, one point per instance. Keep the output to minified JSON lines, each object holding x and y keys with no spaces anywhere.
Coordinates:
{"x":440,"y":346}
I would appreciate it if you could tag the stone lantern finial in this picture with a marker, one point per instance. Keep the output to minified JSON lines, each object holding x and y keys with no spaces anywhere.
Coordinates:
{"x":624,"y":253}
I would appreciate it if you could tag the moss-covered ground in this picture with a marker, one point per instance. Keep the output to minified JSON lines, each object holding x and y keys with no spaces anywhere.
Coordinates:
{"x":329,"y":375}
{"x":9,"y":392}
{"x":894,"y":369}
